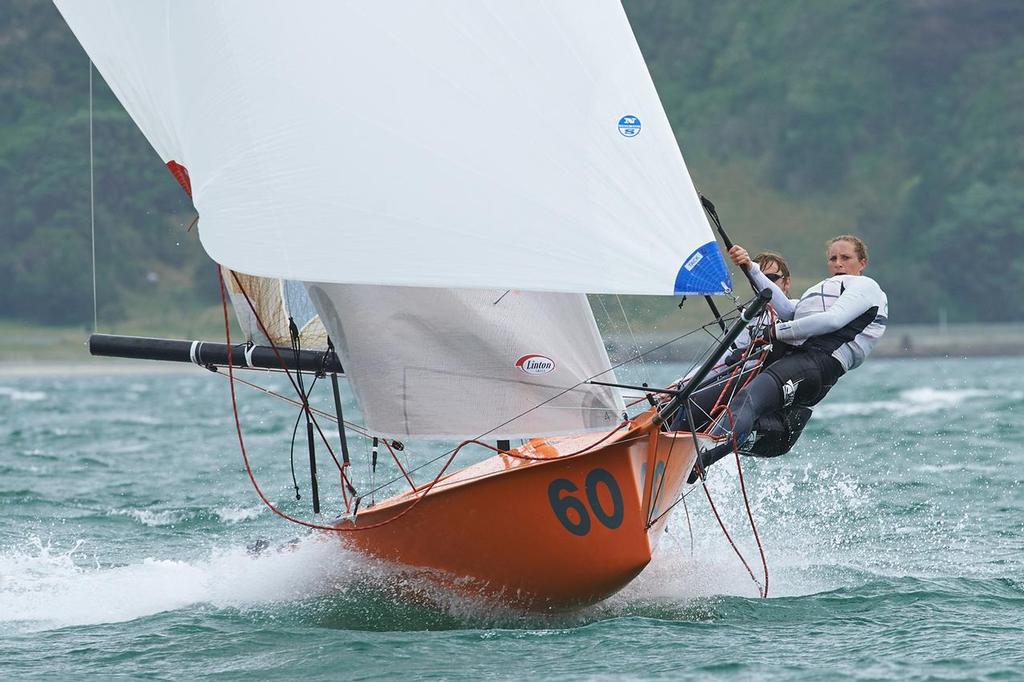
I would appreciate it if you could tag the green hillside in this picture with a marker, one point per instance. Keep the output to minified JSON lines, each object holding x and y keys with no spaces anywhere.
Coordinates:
{"x":897,"y":121}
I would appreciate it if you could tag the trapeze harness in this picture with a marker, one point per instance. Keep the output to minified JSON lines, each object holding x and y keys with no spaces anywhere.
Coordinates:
{"x":832,"y":329}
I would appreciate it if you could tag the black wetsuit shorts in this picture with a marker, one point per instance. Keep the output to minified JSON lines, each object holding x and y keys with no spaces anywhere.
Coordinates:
{"x":805,"y":376}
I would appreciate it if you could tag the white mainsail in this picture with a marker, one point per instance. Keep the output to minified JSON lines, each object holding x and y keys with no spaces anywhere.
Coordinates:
{"x":484,"y":144}
{"x":470,"y":147}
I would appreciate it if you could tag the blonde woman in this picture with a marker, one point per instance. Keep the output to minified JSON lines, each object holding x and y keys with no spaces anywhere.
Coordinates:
{"x":829,"y":331}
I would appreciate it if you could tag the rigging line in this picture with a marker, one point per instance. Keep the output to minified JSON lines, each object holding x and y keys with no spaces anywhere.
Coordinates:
{"x":750,"y":517}
{"x":571,"y":388}
{"x":280,"y":360}
{"x":652,"y":504}
{"x":538,"y":406}
{"x":746,"y":502}
{"x":732,"y":543}
{"x":92,"y":209}
{"x":399,"y":463}
{"x":291,"y":456}
{"x":689,"y":526}
{"x":558,"y":395}
{"x":356,"y":428}
{"x":509,"y":453}
{"x":681,"y":498}
{"x":291,"y":451}
{"x":245,"y":455}
{"x":632,"y":336}
{"x":740,"y":368}
{"x":607,"y":315}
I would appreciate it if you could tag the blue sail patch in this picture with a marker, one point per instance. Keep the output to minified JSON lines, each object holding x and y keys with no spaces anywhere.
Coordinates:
{"x":704,"y":272}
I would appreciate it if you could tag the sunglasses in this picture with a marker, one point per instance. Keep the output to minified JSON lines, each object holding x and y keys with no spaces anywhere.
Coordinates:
{"x":774,"y":276}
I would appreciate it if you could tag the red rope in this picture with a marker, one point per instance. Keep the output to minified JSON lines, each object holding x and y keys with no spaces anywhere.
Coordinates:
{"x":738,"y":370}
{"x":753,"y":526}
{"x":281,"y":362}
{"x":725,"y":531}
{"x":400,"y":467}
{"x":750,"y":516}
{"x":425,"y":491}
{"x":248,"y":465}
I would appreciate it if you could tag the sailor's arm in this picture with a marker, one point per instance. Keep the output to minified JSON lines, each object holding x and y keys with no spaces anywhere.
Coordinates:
{"x":859,"y":295}
{"x":784,"y":307}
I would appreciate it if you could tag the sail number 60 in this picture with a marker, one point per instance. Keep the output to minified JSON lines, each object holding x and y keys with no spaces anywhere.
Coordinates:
{"x":573,"y":513}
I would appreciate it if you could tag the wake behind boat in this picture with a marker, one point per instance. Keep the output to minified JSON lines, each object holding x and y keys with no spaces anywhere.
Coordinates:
{"x":424,"y":195}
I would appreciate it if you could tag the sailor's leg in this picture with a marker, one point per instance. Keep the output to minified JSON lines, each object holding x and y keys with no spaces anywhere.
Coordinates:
{"x":762,"y":396}
{"x":801,"y":378}
{"x":695,"y":414}
{"x":778,"y":432}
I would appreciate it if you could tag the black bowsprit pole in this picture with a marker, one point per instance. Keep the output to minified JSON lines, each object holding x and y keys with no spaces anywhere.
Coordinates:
{"x":211,"y":354}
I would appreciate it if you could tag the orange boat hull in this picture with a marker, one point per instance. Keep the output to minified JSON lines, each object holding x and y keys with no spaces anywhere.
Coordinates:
{"x":557,"y":532}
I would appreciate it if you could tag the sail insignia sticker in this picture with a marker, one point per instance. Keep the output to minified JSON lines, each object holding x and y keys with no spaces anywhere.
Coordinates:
{"x":535,"y":364}
{"x":629,"y":126}
{"x":692,"y":262}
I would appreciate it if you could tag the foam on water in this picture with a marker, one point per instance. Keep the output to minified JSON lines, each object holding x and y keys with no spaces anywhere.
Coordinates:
{"x":232,"y":515}
{"x":148,"y":517}
{"x":24,"y":396}
{"x":168,"y":518}
{"x":43,"y":587}
{"x":914,"y":401}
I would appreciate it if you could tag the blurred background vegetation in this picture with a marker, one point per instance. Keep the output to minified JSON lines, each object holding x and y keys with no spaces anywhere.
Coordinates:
{"x":897,"y":121}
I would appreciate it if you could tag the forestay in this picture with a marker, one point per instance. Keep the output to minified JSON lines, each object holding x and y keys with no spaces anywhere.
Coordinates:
{"x":485,"y":144}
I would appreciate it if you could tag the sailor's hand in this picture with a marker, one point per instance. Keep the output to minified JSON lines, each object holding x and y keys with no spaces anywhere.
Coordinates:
{"x":739,"y":256}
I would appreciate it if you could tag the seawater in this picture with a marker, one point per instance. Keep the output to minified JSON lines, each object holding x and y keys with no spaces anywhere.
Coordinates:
{"x":894,"y":535}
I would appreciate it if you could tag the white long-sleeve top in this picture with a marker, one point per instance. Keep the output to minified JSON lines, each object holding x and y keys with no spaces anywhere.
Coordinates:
{"x":844,"y":315}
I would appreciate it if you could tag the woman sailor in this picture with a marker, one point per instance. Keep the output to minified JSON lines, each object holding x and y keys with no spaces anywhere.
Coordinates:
{"x":829,"y":331}
{"x":697,"y":415}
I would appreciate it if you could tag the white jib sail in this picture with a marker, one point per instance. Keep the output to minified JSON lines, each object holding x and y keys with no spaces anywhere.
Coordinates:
{"x":437,"y":363}
{"x":483,"y":144}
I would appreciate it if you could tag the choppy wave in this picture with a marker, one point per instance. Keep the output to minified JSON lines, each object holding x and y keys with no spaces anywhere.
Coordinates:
{"x":912,"y":402}
{"x":151,"y":518}
{"x":232,"y":515}
{"x":883,"y":540}
{"x":44,"y":587}
{"x":157,"y":518}
{"x":21,"y":395}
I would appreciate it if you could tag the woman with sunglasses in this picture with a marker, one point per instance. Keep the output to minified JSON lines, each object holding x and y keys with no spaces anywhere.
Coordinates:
{"x":697,"y":415}
{"x":830,"y":330}
{"x":773,"y":266}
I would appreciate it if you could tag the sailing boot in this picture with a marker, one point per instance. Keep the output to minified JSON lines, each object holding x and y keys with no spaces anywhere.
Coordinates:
{"x":705,"y":458}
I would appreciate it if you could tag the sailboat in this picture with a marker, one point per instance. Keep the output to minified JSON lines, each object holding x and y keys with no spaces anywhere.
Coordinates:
{"x":436,"y":188}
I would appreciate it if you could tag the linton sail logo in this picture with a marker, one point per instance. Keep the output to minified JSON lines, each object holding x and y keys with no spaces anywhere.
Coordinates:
{"x":535,"y":364}
{"x":629,"y":126}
